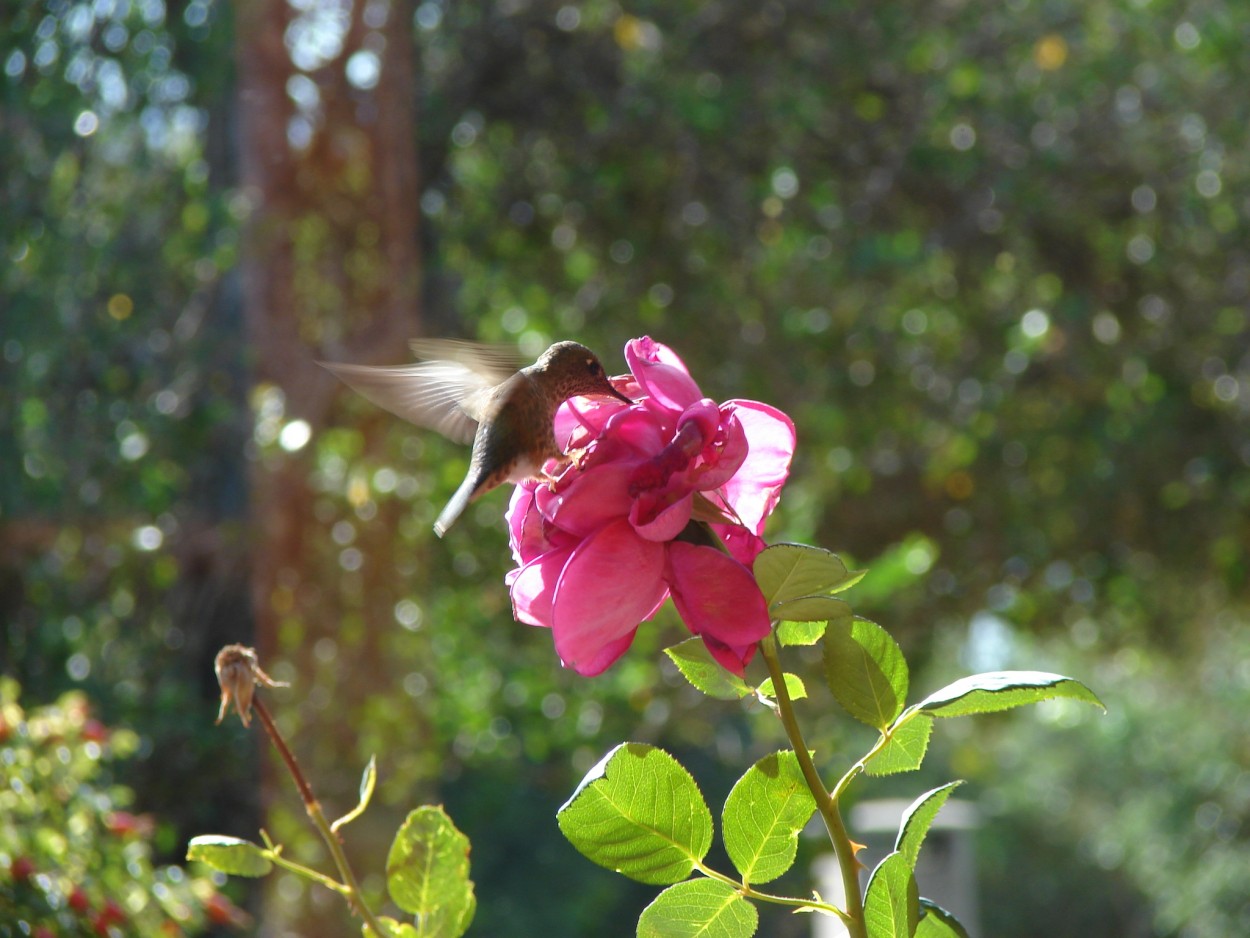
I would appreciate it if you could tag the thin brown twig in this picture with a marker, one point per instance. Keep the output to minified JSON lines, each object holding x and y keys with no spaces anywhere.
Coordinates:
{"x":313,"y":807}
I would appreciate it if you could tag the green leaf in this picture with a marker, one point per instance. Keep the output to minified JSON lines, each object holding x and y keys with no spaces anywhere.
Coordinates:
{"x":852,"y":578}
{"x":811,"y":609}
{"x":763,"y":815}
{"x":787,"y":572}
{"x":906,"y":748}
{"x":427,"y":874}
{"x":936,"y":922}
{"x":800,"y":633}
{"x":368,"y":781}
{"x":640,"y":813}
{"x":697,"y":666}
{"x":794,"y":687}
{"x":917,"y":820}
{"x":865,"y":670}
{"x":891,"y":902}
{"x":1002,"y":690}
{"x":229,"y":855}
{"x":390,"y":929}
{"x":700,"y":908}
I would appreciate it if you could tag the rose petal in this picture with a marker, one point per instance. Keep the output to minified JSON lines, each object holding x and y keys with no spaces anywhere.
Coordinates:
{"x":662,"y":375}
{"x":733,"y":658}
{"x":754,"y":490}
{"x":715,"y":595}
{"x":594,"y":498}
{"x":605,"y":657}
{"x":581,"y":419}
{"x":742,"y":545}
{"x":525,"y":525}
{"x":640,"y":428}
{"x":705,"y":414}
{"x":612,"y":581}
{"x":533,"y":587}
{"x":654,"y":518}
{"x":723,"y":457}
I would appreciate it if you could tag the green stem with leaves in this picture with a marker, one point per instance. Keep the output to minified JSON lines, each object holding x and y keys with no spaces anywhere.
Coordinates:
{"x":273,"y":853}
{"x":806,"y":905}
{"x":825,"y":803}
{"x":882,"y":741}
{"x":350,"y":887}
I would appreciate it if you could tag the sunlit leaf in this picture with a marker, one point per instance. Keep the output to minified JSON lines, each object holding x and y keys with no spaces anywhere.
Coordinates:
{"x":229,"y":855}
{"x":866,"y":671}
{"x":763,"y":815}
{"x":427,"y":873}
{"x":906,"y":747}
{"x":700,"y":908}
{"x":639,"y":812}
{"x":936,"y":922}
{"x":891,"y":902}
{"x":787,"y":572}
{"x":795,"y":687}
{"x":1002,"y":690}
{"x":917,"y":820}
{"x":811,"y":609}
{"x":368,"y":781}
{"x":390,"y":929}
{"x":800,"y":633}
{"x":697,"y":666}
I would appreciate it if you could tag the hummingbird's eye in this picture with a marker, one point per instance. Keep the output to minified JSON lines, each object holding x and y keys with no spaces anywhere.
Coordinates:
{"x":595,"y":368}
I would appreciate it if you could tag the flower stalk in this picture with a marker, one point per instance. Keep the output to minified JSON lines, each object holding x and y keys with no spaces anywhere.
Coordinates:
{"x":238,"y":673}
{"x":351,"y":888}
{"x":843,"y":847}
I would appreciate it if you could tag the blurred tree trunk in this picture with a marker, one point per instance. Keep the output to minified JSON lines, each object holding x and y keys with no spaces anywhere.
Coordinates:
{"x":331,"y":270}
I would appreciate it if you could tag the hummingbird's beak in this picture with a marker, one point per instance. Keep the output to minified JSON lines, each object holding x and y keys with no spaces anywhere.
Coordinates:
{"x":618,"y":395}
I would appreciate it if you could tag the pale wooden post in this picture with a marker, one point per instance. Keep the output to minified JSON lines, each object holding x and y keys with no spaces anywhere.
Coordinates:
{"x":945,"y":872}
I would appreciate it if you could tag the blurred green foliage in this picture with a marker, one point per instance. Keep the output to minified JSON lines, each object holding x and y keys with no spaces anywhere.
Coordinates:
{"x":992,"y":260}
{"x":73,"y":860}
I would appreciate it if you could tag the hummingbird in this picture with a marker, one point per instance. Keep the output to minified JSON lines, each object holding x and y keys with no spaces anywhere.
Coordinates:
{"x":470,"y":392}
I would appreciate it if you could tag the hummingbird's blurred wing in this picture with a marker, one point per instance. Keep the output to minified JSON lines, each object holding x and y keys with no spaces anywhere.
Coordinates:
{"x":446,"y":396}
{"x":497,"y":363}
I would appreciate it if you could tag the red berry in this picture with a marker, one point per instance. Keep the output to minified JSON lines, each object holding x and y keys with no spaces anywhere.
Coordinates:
{"x":125,"y":824}
{"x":79,"y":902}
{"x":94,"y":731}
{"x":22,"y":869}
{"x":110,"y":914}
{"x":221,"y":911}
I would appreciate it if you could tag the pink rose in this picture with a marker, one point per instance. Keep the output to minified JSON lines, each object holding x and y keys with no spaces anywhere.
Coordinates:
{"x":599,"y":551}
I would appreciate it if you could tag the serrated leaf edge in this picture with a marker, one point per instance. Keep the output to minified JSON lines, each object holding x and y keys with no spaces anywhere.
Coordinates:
{"x":943,"y":792}
{"x":1037,"y":681}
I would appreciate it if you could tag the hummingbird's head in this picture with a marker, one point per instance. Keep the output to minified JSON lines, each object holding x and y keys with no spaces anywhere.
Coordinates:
{"x":575,"y":371}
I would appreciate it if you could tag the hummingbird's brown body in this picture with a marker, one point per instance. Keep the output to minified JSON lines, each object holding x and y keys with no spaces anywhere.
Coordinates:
{"x":468,"y":392}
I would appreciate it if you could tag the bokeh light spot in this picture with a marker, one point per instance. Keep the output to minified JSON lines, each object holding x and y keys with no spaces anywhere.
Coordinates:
{"x":295,"y":435}
{"x":364,"y":69}
{"x":86,"y":123}
{"x":963,"y":137}
{"x":120,"y":306}
{"x":1050,"y":52}
{"x":1034,"y":324}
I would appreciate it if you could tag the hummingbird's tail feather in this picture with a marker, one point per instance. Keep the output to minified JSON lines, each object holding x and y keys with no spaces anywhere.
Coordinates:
{"x":447,"y":517}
